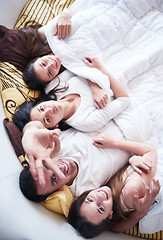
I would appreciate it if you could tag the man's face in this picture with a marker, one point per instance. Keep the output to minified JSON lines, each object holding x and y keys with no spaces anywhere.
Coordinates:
{"x":64,"y":171}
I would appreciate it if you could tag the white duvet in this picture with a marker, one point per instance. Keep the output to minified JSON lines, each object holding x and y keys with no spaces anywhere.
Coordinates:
{"x":127,"y":35}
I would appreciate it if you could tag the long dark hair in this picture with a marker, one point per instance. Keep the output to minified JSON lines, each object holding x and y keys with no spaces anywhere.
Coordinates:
{"x":31,"y":79}
{"x":81,"y":224}
{"x":35,"y":45}
{"x":22,"y":113}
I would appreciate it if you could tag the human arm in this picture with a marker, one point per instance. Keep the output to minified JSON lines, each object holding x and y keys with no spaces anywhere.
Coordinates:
{"x":94,"y":119}
{"x":117,"y":88}
{"x":39,"y":144}
{"x":63,"y":25}
{"x":146,"y":158}
{"x":142,"y":207}
{"x":100,"y":97}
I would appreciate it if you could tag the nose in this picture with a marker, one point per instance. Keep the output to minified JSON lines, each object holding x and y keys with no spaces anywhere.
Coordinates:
{"x":99,"y":198}
{"x":49,"y":110}
{"x":51,"y":64}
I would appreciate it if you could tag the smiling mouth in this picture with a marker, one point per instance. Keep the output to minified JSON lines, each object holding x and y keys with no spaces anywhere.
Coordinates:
{"x":104,"y":193}
{"x":55,"y":61}
{"x":66,"y":169}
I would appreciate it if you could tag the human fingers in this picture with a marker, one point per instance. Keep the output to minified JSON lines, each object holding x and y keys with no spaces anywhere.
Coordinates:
{"x":96,"y":105}
{"x":32,"y":166}
{"x":56,"y":131}
{"x":101,"y":103}
{"x":68,"y":30}
{"x":136,"y":169}
{"x":40,"y":172}
{"x":156,"y":187}
{"x":105,"y":99}
{"x":56,"y":31}
{"x":148,"y":163}
{"x":88,"y":61}
{"x":59,"y":32}
{"x":56,"y":147}
{"x":136,"y":201}
{"x":100,"y":142}
{"x":63,"y":31}
{"x":147,"y":191}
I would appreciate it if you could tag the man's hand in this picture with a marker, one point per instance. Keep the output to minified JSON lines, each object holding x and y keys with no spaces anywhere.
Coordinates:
{"x":39,"y":144}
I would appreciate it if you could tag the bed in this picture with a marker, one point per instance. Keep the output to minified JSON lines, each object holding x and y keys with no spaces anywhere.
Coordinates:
{"x":20,"y":218}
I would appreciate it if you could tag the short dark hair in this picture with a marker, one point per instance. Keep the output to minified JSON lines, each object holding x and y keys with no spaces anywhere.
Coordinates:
{"x":28,"y":186}
{"x":31,"y":79}
{"x":81,"y":224}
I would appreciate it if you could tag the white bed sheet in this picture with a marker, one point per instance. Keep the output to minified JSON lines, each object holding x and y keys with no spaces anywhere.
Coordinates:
{"x":127,"y":35}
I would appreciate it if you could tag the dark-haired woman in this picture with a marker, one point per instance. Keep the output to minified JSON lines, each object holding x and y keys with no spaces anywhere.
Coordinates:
{"x":20,"y":46}
{"x":127,"y":197}
{"x":76,"y":106}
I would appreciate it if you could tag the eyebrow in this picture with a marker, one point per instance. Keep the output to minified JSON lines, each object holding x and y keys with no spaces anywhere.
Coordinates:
{"x":47,"y":70}
{"x":43,"y":117}
{"x":96,"y":208}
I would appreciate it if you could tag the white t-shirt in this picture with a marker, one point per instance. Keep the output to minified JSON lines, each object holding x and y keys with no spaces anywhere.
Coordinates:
{"x":96,"y":165}
{"x":87,"y":117}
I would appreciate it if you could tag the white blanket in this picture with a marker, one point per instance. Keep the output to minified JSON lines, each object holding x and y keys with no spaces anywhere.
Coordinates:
{"x":127,"y":35}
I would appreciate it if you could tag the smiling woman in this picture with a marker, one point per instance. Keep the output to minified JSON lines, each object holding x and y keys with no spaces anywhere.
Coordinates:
{"x":127,"y":196}
{"x":47,"y":67}
{"x":42,"y":70}
{"x":98,"y":205}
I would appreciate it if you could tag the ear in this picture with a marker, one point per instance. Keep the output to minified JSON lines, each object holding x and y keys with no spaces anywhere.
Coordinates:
{"x":110,"y":214}
{"x":57,"y":125}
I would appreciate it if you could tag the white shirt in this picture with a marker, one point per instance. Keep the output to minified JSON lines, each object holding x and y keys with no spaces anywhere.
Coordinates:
{"x":87,"y":117}
{"x":96,"y":165}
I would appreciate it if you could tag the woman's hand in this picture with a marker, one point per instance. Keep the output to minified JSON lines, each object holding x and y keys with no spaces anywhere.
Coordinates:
{"x":140,"y":162}
{"x":63,"y":26}
{"x":143,"y":205}
{"x":100,"y":97}
{"x":93,"y":62}
{"x":103,"y":140}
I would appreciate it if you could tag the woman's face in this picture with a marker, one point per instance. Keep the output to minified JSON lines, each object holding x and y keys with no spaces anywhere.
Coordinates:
{"x":47,"y":67}
{"x":98,"y":205}
{"x":49,"y":113}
